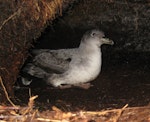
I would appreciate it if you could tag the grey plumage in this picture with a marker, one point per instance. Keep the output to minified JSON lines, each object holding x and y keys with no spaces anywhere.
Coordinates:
{"x":75,"y":66}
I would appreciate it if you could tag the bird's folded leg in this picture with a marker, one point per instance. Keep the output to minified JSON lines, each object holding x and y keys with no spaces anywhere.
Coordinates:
{"x":84,"y":85}
{"x":80,"y":85}
{"x":65,"y":86}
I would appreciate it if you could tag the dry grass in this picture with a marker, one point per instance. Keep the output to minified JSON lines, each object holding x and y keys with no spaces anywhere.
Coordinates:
{"x":20,"y":114}
{"x":28,"y":113}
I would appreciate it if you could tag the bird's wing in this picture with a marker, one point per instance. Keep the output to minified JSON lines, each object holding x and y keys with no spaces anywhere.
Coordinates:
{"x":55,"y":60}
{"x":35,"y":71}
{"x":61,"y":53}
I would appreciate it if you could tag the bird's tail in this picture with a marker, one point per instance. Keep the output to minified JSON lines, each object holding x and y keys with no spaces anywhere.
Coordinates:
{"x":32,"y":72}
{"x":35,"y":71}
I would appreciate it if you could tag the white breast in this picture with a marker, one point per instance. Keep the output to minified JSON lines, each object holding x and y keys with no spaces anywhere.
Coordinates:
{"x":84,"y":67}
{"x":84,"y":71}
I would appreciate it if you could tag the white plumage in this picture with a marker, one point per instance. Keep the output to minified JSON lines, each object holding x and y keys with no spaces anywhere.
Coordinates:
{"x":70,"y":67}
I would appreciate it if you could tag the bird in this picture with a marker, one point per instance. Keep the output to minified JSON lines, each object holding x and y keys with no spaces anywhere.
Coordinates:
{"x":65,"y":68}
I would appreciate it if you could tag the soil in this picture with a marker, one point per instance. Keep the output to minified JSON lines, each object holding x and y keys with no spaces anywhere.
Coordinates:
{"x":124,"y":79}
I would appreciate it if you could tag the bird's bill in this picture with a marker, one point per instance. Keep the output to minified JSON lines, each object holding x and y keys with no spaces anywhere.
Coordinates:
{"x":107,"y":41}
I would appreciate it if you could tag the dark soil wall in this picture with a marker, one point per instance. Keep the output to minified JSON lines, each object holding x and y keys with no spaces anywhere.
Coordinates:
{"x":20,"y":23}
{"x":127,"y":22}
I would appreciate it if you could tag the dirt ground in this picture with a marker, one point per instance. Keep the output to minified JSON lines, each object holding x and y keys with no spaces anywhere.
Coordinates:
{"x":124,"y":80}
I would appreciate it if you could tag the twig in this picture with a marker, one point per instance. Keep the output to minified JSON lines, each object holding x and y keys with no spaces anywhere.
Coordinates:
{"x":29,"y":92}
{"x":120,"y":112}
{"x":18,"y":117}
{"x":108,"y":111}
{"x":31,"y":101}
{"x":30,"y":105}
{"x":136,"y":19}
{"x":33,"y":115}
{"x":48,"y":120}
{"x":5,"y":91}
{"x":9,"y":18}
{"x":9,"y":108}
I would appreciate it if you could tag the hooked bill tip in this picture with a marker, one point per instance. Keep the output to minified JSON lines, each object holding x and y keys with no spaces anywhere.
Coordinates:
{"x":107,"y":41}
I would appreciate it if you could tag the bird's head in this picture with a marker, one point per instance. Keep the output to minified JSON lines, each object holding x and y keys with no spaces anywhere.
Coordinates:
{"x":95,"y":37}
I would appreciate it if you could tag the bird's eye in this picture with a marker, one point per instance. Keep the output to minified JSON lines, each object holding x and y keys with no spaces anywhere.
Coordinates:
{"x":93,"y":34}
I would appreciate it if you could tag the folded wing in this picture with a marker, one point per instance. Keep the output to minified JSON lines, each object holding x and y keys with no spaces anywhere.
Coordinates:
{"x":48,"y":61}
